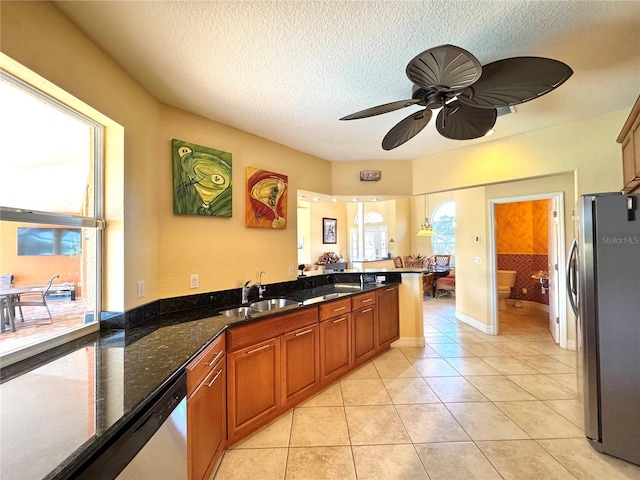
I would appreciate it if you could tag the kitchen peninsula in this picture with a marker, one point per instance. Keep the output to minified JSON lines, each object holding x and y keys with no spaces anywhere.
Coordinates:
{"x":75,"y":401}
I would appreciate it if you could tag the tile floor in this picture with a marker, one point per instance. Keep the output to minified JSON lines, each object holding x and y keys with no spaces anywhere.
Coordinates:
{"x":466,"y":406}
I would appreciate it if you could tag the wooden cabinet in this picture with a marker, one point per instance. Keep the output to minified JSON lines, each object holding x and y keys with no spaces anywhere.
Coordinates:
{"x":363,"y":327}
{"x":300,"y":364}
{"x":335,"y":347}
{"x":388,"y":318}
{"x":629,"y":139}
{"x":253,"y":386}
{"x":206,"y":410}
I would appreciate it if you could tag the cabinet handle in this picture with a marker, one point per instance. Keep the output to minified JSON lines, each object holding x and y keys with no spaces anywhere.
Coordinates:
{"x":339,"y":320}
{"x":389,"y":289}
{"x":367,"y":310}
{"x":338,"y":309}
{"x":258,"y":349}
{"x":304,"y":333}
{"x":215,"y":359}
{"x":214,"y":378}
{"x":367,"y":300}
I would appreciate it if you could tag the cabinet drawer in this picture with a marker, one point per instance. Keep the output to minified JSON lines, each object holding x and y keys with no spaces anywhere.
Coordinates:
{"x":198,"y":369}
{"x":259,"y":331}
{"x":363,"y":300}
{"x":333,"y":309}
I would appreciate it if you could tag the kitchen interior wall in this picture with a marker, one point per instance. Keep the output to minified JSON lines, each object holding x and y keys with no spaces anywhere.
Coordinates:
{"x":304,"y":232}
{"x":522,"y":245}
{"x":39,"y":37}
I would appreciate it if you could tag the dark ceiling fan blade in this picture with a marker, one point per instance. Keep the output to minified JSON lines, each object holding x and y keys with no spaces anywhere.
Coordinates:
{"x":386,"y":108}
{"x":444,"y":68}
{"x":458,"y":121}
{"x":406,"y":129}
{"x":515,"y":80}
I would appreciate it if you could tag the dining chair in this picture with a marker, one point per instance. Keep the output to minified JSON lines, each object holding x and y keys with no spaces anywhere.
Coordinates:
{"x":36,"y":298}
{"x":441,"y":260}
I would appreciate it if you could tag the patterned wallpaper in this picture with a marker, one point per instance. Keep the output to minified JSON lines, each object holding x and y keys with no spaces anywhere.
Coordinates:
{"x":525,"y":265}
{"x":522,"y":245}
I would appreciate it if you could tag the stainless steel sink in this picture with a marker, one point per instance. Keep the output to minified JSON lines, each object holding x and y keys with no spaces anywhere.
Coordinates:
{"x":272,"y":304}
{"x":239,"y":312}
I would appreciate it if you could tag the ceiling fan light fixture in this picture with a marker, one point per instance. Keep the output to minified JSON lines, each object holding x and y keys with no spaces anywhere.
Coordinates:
{"x":490,"y":132}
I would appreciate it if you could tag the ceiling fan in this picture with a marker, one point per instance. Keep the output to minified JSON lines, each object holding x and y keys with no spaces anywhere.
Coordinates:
{"x":451,"y":78}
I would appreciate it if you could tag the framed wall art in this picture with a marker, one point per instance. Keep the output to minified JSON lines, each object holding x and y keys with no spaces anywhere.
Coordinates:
{"x":201,"y":180}
{"x":329,"y":230}
{"x":266,"y":199}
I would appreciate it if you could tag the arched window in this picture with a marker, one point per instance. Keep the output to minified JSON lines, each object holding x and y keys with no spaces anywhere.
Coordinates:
{"x":443,"y":220}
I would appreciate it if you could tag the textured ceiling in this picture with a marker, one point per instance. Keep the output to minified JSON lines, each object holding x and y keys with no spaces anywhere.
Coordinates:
{"x":288,"y":70}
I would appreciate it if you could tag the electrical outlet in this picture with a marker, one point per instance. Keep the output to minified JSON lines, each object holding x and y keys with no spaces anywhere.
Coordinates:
{"x":291,"y":270}
{"x":524,"y":290}
{"x":141,"y":291}
{"x":194,"y":281}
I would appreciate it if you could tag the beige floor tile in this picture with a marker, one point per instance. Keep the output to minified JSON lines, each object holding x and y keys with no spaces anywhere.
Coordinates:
{"x":319,"y":463}
{"x":455,"y":389}
{"x":453,"y":327}
{"x":523,"y":460}
{"x":388,"y":462}
{"x":540,"y":420}
{"x":409,"y":391}
{"x":517,"y":348}
{"x":364,"y":392}
{"x":484,"y":421}
{"x":455,"y":461}
{"x":463,"y":336}
{"x":437,"y":339}
{"x":375,"y":425}
{"x":585,"y":463}
{"x":499,"y":388}
{"x":483,"y":349}
{"x":569,"y":380}
{"x":428,"y":328}
{"x":549,"y":348}
{"x":413,"y":353}
{"x":572,"y":410}
{"x":330,"y":396}
{"x":451,"y":350}
{"x":365,"y":371}
{"x":319,"y":426}
{"x":509,"y":366}
{"x":395,"y":367}
{"x":545,"y":364}
{"x":570,"y":359}
{"x":262,"y":463}
{"x":431,"y":423}
{"x":501,"y":338}
{"x":276,"y":434}
{"x":392,"y":353}
{"x":471,"y":366}
{"x":542,"y":387}
{"x":434,"y":367}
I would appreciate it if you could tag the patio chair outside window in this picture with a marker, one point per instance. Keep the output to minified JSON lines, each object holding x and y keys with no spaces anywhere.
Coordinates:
{"x":36,"y":298}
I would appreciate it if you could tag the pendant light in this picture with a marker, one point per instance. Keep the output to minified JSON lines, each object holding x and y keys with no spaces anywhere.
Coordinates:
{"x":426,"y":230}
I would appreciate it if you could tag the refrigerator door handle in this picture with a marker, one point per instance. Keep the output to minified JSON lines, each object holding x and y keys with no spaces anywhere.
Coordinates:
{"x":572,"y":277}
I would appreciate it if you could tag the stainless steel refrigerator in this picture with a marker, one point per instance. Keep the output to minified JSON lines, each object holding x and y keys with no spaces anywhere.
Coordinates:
{"x":603,"y":281}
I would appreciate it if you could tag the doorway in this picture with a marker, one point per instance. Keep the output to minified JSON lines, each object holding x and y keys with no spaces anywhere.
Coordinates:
{"x":556,"y":235}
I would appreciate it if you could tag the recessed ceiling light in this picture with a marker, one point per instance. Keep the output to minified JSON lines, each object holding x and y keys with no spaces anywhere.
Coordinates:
{"x":301,"y":196}
{"x":374,"y":199}
{"x":335,"y":200}
{"x":315,"y":199}
{"x":354,"y":199}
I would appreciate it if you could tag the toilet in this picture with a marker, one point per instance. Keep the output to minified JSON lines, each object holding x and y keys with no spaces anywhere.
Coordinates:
{"x":505,"y":280}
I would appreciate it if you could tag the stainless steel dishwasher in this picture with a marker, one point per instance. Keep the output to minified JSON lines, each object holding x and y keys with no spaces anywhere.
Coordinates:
{"x":153,"y":446}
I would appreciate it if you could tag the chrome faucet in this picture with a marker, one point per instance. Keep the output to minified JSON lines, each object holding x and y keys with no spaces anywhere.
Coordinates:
{"x":246,"y":288}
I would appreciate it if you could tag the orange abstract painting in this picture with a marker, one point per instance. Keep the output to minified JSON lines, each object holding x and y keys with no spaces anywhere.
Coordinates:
{"x":266,"y":199}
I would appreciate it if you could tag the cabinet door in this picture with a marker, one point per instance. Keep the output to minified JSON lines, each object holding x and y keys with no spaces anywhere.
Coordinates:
{"x":363,"y":326}
{"x":300,"y":363}
{"x":335,"y":348}
{"x":207,"y":423}
{"x":253,"y":385}
{"x":388,"y":319}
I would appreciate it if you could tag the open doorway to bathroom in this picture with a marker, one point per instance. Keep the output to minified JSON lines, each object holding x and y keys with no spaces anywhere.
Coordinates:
{"x":527,"y":237}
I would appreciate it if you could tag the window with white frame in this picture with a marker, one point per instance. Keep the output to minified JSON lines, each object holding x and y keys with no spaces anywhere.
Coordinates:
{"x":443,"y":220}
{"x":50,"y":214}
{"x":375,"y":236}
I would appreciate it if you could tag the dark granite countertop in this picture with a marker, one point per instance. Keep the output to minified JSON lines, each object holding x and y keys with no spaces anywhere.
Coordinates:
{"x":69,"y":403}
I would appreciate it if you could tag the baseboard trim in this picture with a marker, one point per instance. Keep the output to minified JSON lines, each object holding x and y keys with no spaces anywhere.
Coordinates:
{"x":488,"y":329}
{"x":408,"y":342}
{"x":571,"y":344}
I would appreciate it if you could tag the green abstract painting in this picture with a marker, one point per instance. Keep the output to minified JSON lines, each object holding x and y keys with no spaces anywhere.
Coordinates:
{"x":201,"y":180}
